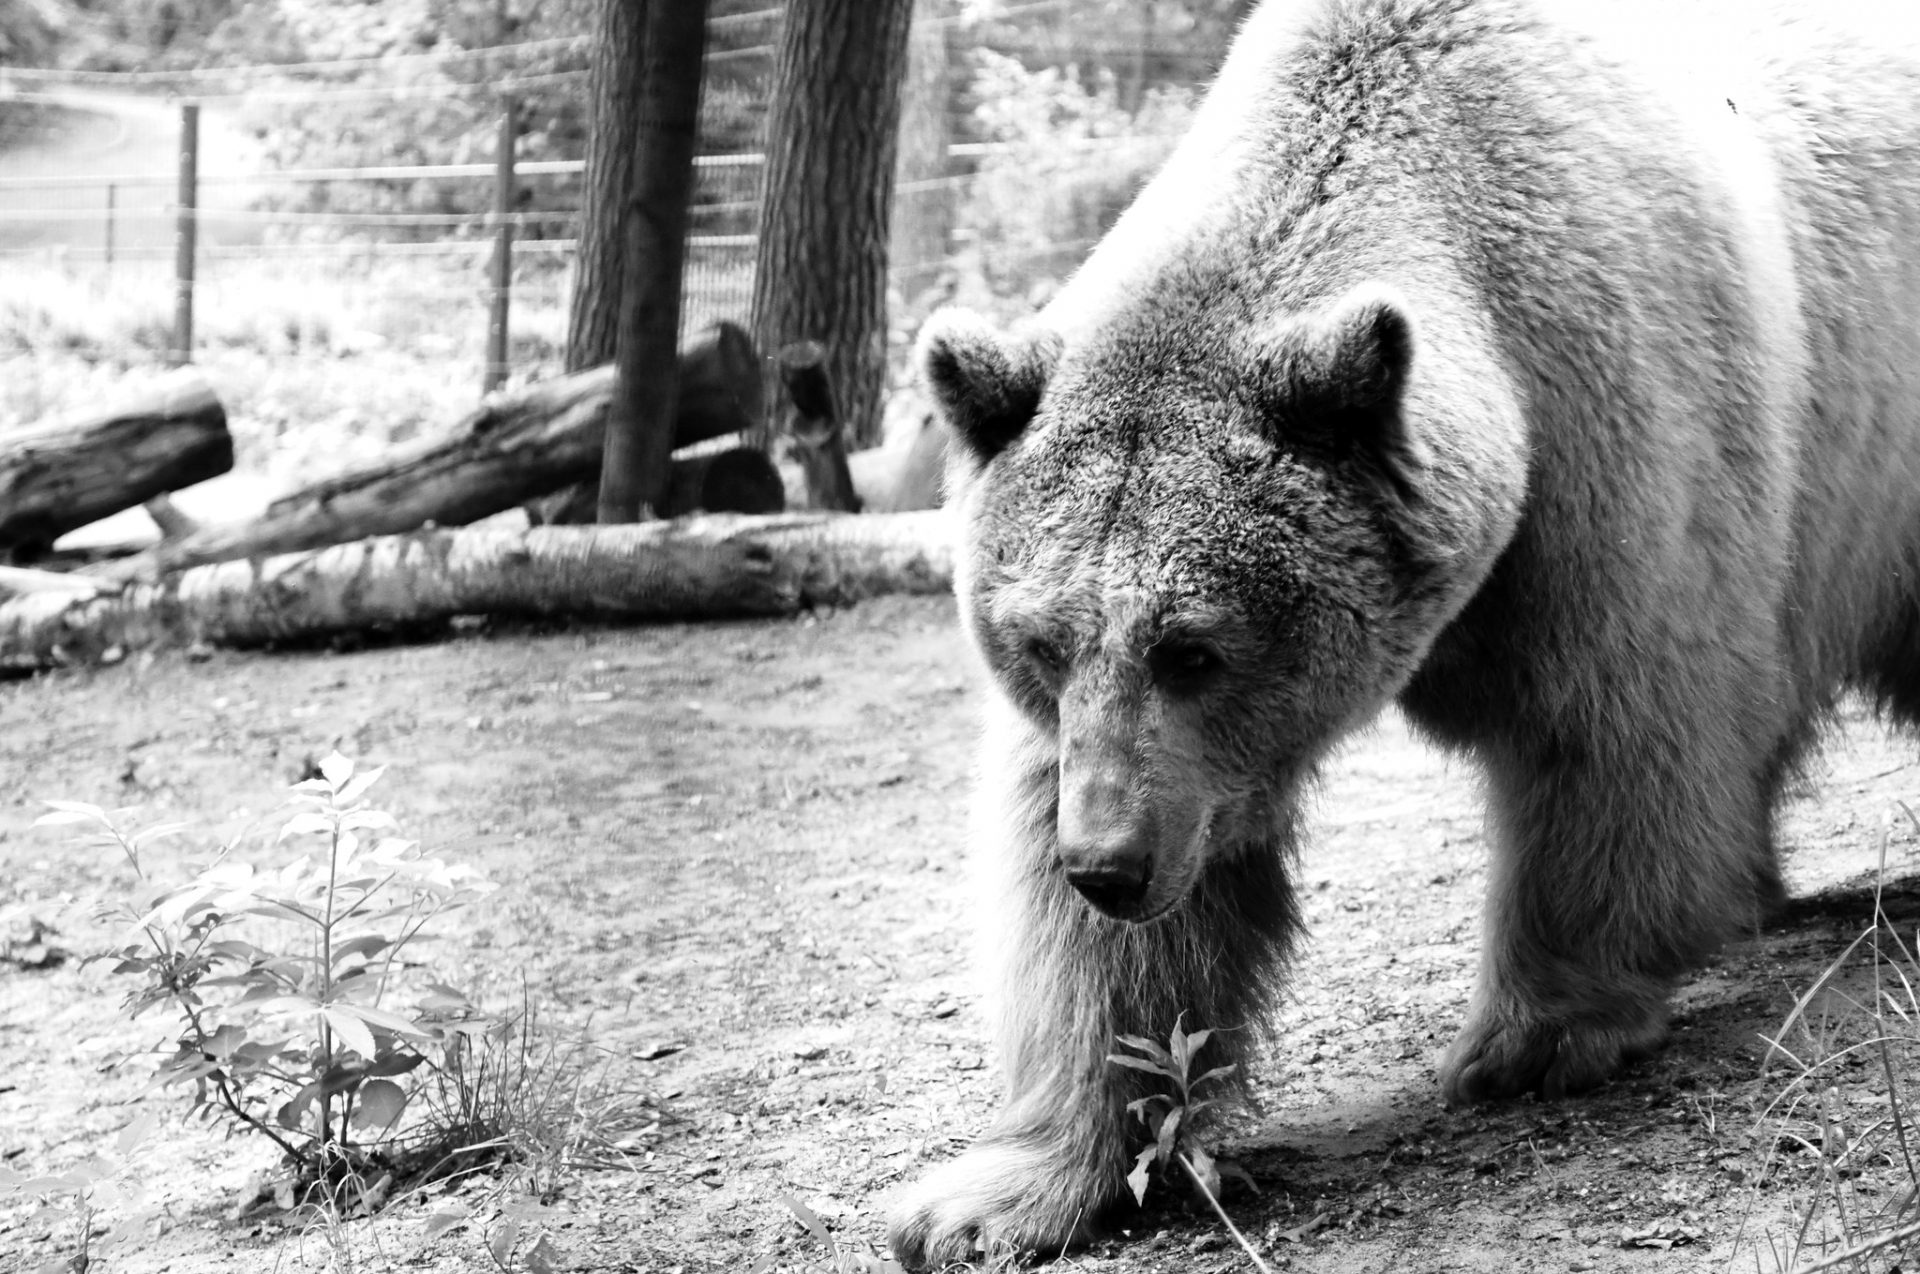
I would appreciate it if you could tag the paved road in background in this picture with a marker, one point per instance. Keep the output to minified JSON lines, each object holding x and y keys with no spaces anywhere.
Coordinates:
{"x":112,"y":136}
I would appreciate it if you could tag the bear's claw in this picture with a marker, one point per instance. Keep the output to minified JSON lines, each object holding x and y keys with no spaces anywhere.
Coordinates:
{"x":1500,"y":1055}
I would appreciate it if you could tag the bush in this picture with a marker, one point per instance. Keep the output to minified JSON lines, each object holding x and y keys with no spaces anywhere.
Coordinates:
{"x":284,"y":980}
{"x":1068,"y":163}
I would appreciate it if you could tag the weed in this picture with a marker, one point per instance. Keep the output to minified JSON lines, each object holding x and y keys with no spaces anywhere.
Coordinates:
{"x":283,"y":981}
{"x":1840,"y":1135}
{"x":1170,"y":1120}
{"x":510,"y":1093}
{"x":71,"y":1201}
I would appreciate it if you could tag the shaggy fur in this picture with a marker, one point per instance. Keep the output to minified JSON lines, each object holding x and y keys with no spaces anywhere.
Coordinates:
{"x":1463,"y":354}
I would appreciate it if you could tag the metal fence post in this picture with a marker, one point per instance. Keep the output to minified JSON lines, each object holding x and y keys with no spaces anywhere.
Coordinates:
{"x":501,"y":289}
{"x":184,"y":229}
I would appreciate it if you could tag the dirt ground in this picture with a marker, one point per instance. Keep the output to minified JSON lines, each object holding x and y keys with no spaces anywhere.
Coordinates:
{"x":736,"y":855}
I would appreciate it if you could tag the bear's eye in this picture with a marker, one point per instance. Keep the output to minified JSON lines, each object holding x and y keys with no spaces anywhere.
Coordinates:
{"x":1183,"y":665}
{"x":1046,"y":656}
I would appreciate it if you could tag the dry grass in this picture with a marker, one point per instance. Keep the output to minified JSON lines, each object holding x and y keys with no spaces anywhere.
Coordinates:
{"x":318,"y":360}
{"x":1840,"y":1138}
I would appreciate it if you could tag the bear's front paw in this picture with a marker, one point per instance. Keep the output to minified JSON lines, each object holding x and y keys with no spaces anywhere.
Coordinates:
{"x":1504,"y":1053}
{"x":999,"y":1199}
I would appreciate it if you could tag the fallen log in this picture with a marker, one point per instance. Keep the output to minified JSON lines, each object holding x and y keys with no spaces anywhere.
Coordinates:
{"x":513,"y":448}
{"x":736,"y":480}
{"x":18,"y":581}
{"x":721,"y":566}
{"x":62,"y":474}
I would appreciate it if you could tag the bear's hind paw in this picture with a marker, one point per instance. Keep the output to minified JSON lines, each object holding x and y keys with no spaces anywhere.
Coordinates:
{"x":1507,"y":1057}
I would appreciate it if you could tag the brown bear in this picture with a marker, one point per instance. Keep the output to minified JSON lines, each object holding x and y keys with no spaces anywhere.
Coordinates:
{"x":1557,"y":383}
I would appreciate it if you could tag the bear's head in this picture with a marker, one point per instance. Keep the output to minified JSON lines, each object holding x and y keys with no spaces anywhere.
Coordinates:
{"x":1190,"y":560}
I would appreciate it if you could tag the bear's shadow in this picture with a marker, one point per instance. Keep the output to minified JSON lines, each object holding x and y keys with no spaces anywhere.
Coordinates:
{"x":1702,"y":1097}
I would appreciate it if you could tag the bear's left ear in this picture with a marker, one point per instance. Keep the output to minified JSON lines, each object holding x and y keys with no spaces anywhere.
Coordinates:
{"x":987,"y":383}
{"x":1336,"y":378}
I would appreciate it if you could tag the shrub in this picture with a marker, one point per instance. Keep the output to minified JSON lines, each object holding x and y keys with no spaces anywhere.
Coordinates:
{"x":284,"y":981}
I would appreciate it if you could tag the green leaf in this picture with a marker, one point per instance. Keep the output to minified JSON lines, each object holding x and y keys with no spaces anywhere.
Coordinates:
{"x":1217,"y":1073}
{"x":384,"y":1020}
{"x":306,"y":823}
{"x":1197,"y":1041}
{"x":500,"y":1243}
{"x":441,"y":998}
{"x":1167,"y":1138}
{"x":1152,"y":1048}
{"x":351,"y":1030}
{"x":811,"y":1219}
{"x":379,"y":1104}
{"x":365,"y":945}
{"x":356,"y":787}
{"x":1137,"y":1179}
{"x":159,"y":831}
{"x":336,"y":769}
{"x":1140,"y":1104}
{"x":1208,"y":1178}
{"x":223,"y":1043}
{"x":1142,"y":1064}
{"x":66,"y":813}
{"x":1178,"y":1041}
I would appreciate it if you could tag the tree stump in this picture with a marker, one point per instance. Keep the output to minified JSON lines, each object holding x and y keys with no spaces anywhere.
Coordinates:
{"x":813,"y":422}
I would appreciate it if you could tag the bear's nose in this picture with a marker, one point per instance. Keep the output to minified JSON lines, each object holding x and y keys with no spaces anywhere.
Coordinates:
{"x":1114,"y":888}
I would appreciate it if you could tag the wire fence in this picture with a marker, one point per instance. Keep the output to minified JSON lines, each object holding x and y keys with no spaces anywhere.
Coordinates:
{"x":151,"y":197}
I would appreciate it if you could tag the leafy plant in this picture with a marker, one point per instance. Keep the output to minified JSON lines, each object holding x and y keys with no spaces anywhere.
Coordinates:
{"x":284,"y":981}
{"x":72,"y":1199}
{"x":1170,"y":1119}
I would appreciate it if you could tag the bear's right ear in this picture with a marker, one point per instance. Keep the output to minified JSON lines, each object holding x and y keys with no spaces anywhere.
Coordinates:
{"x":988,"y":383}
{"x":1336,"y":378}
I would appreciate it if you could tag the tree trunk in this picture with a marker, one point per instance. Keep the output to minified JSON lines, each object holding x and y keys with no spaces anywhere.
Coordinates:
{"x":635,"y":472}
{"x":706,"y":568}
{"x":719,"y":394}
{"x":737,"y":480}
{"x":613,"y":88}
{"x":63,"y":474}
{"x":820,"y":272}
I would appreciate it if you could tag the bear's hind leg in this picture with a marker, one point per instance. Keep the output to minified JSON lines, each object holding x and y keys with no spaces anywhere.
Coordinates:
{"x":1893,"y":666}
{"x":1619,"y":864}
{"x":1070,"y":980}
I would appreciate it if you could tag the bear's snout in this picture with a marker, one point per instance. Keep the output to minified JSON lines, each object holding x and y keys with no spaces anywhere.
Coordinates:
{"x":1106,"y":843}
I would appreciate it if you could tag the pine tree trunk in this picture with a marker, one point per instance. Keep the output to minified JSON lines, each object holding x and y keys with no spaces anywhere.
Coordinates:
{"x":821,"y":267}
{"x":635,"y":472}
{"x":706,"y":568}
{"x":593,"y":323}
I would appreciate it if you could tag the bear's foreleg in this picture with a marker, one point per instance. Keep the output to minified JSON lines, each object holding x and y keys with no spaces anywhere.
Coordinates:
{"x":1069,"y":981}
